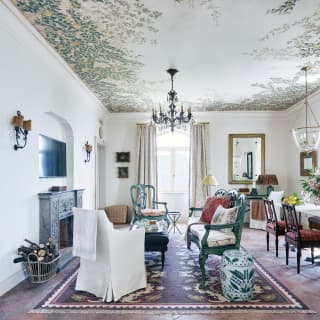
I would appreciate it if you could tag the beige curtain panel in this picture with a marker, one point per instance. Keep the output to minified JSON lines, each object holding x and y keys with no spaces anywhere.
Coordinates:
{"x":146,"y":162}
{"x":199,"y":159}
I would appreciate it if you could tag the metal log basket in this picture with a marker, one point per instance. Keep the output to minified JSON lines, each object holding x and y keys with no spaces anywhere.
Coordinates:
{"x":40,"y":271}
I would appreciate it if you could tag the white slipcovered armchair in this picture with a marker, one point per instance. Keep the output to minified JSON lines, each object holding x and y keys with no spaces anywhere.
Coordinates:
{"x":111,"y":261}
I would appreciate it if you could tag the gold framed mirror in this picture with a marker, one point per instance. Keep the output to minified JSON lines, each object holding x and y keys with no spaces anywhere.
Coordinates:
{"x":246,"y":159}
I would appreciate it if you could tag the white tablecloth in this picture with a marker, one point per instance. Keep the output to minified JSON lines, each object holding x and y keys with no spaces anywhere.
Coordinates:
{"x":307,"y":210}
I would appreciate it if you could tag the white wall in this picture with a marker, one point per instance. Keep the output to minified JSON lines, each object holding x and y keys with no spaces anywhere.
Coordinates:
{"x":33,"y":81}
{"x":272,"y":124}
{"x":122,"y":137}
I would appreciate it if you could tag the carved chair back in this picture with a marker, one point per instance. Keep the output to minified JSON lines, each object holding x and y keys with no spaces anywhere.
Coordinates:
{"x":291,"y":220}
{"x":270,"y":211}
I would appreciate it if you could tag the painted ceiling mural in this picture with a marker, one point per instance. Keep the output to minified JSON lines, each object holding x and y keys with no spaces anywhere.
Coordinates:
{"x":231,"y":55}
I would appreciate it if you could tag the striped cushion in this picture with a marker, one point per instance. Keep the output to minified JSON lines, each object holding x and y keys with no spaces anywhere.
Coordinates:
{"x":153,"y":212}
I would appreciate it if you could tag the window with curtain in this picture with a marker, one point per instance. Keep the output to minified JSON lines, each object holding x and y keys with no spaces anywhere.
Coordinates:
{"x":173,"y":162}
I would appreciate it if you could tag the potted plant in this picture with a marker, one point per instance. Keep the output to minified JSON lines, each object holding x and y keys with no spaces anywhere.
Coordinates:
{"x":311,"y":186}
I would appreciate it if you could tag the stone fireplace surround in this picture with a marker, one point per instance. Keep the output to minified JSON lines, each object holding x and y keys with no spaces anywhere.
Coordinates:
{"x":53,"y":208}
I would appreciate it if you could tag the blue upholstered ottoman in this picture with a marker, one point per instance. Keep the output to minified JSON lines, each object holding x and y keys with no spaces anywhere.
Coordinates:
{"x":237,"y":275}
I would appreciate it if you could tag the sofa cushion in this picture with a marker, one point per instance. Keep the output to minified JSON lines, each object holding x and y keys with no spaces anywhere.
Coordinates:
{"x":152,"y":212}
{"x":224,"y":216}
{"x":211,"y":205}
{"x":216,"y":238}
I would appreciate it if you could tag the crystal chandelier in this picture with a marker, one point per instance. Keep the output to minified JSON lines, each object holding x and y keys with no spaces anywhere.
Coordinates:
{"x":171,"y":118}
{"x":307,"y":138}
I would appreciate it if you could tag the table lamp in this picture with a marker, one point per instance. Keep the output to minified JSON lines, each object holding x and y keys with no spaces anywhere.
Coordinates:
{"x":210,"y":180}
{"x":269,"y":180}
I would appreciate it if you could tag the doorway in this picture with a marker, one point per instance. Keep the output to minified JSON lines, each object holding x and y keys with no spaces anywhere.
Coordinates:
{"x":100,"y":175}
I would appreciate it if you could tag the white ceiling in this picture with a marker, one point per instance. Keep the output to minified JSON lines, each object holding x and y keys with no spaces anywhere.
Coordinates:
{"x":231,"y":55}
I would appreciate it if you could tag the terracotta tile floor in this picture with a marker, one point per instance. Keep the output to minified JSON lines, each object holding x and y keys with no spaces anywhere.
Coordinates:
{"x":16,"y":303}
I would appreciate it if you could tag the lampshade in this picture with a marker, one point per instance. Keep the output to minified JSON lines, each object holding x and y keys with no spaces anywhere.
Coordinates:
{"x":210,"y":180}
{"x":267,"y":179}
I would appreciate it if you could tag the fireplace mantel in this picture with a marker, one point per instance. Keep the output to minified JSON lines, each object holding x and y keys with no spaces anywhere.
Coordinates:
{"x":53,"y":207}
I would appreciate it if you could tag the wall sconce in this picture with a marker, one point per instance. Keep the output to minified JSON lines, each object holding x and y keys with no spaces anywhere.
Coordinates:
{"x":22,"y":127}
{"x":88,"y":148}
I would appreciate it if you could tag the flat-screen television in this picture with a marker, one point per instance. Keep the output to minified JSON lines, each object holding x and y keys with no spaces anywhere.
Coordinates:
{"x":52,"y":157}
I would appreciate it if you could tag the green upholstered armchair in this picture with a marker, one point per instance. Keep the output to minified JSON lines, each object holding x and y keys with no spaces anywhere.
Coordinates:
{"x":144,"y":204}
{"x":209,"y":238}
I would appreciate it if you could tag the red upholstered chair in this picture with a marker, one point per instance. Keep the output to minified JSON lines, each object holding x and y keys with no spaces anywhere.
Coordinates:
{"x":297,"y":237}
{"x":274,"y":226}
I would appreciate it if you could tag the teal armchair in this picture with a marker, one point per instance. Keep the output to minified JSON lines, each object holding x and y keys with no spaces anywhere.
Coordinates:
{"x":145,"y":206}
{"x":203,"y":235}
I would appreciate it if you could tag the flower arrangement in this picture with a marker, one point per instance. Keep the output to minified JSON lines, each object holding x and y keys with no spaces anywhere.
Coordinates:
{"x":311,"y":185}
{"x":293,"y":199}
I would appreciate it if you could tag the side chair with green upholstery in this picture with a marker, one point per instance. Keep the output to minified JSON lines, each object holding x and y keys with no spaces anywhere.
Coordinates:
{"x":214,"y":238}
{"x":145,"y":206}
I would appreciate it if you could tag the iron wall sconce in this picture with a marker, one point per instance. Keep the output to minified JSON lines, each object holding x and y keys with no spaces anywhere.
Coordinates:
{"x":22,"y":127}
{"x":88,"y":148}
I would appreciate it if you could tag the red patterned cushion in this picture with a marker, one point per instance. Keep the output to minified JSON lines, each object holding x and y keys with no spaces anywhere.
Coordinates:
{"x":281,"y":226}
{"x":212,"y":203}
{"x":306,"y":235}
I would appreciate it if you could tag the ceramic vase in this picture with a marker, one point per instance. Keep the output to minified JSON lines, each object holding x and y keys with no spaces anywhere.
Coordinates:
{"x":237,"y":274}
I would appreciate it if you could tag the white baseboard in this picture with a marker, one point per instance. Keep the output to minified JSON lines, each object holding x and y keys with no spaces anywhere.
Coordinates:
{"x":11,"y":282}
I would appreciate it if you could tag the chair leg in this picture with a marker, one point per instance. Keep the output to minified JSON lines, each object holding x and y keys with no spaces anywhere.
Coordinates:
{"x":287,"y":253}
{"x":162,"y":258}
{"x":312,"y":255}
{"x":267,"y":241}
{"x":202,"y":260}
{"x":277,"y":245}
{"x":298,"y":259}
{"x":188,"y":239}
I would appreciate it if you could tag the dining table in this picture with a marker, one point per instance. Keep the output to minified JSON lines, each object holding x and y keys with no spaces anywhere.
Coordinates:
{"x":306,"y":210}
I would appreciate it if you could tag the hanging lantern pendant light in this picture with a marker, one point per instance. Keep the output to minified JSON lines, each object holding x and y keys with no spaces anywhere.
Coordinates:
{"x":307,"y":138}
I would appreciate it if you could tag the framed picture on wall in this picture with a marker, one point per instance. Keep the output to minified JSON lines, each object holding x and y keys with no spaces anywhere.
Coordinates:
{"x":308,"y":160}
{"x":123,"y":156}
{"x":123,"y":172}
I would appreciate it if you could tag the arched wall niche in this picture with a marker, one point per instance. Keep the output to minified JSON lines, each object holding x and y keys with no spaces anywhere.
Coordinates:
{"x":57,"y":127}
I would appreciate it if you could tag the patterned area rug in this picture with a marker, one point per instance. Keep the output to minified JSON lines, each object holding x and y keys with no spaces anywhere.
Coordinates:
{"x":175,"y":289}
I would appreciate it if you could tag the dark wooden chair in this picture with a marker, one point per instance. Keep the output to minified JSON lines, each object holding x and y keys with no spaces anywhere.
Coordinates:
{"x":298,"y":237}
{"x":274,"y":226}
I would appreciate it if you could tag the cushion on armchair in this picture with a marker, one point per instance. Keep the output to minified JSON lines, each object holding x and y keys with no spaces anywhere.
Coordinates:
{"x":224,"y":216}
{"x":211,"y":205}
{"x":216,"y":238}
{"x":149,"y":212}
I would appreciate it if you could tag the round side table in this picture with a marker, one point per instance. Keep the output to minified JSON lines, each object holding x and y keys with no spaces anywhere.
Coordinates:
{"x":174,"y":216}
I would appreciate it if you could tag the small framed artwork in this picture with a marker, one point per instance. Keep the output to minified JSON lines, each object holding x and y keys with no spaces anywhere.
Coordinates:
{"x":123,"y":156}
{"x":123,"y":172}
{"x":308,"y":161}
